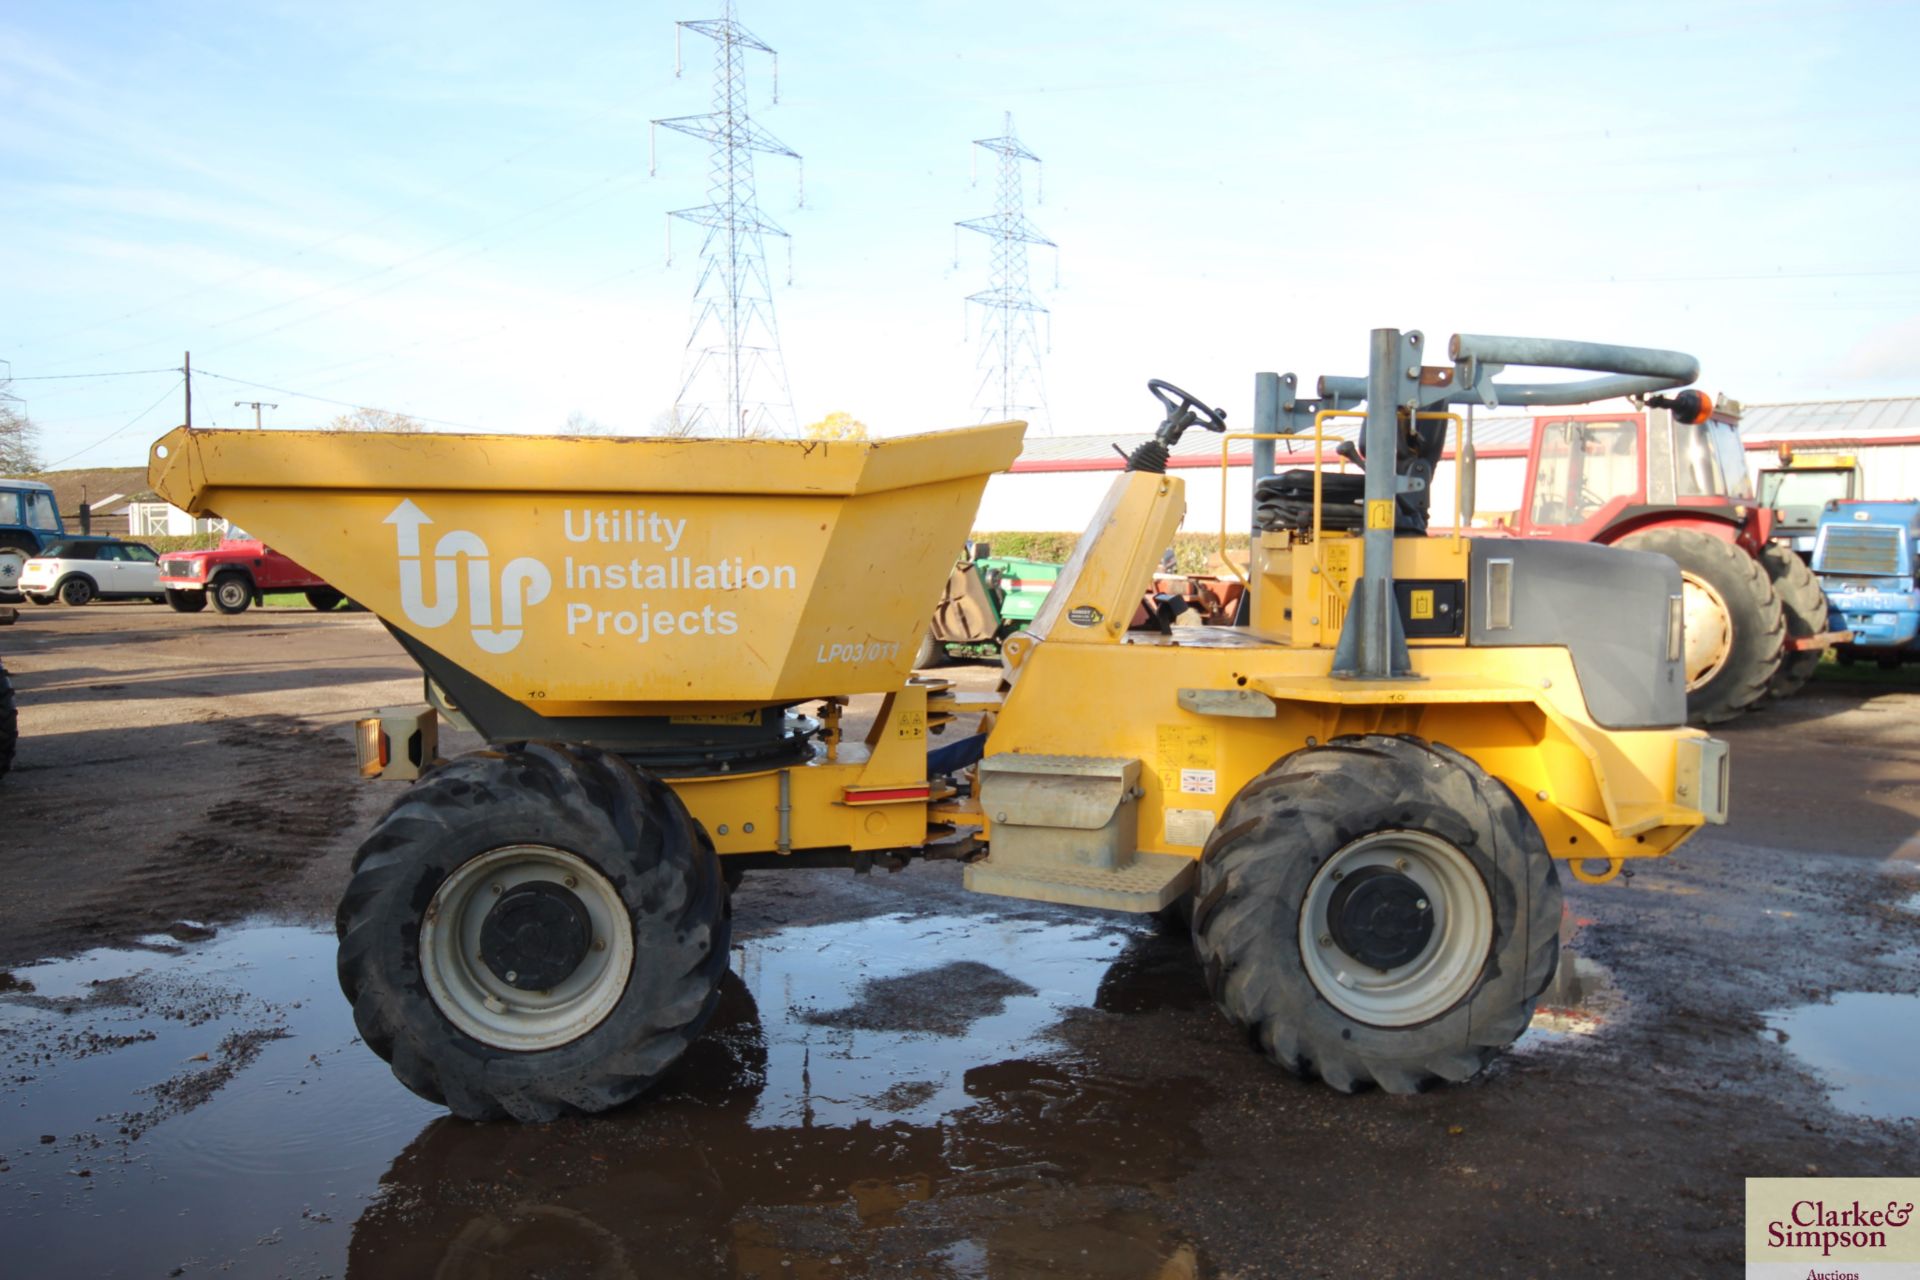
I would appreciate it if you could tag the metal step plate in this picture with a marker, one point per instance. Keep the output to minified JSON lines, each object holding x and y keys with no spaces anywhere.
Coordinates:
{"x":1154,"y":881}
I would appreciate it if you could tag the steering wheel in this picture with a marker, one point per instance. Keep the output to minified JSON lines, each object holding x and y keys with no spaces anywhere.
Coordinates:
{"x":1185,"y":408}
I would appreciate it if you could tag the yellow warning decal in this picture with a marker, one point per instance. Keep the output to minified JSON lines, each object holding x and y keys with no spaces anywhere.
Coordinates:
{"x":724,"y":717}
{"x":1420,"y":604}
{"x":1184,"y":759}
{"x":1380,"y":513}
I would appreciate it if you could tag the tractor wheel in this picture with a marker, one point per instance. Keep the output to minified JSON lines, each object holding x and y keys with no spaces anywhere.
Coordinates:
{"x":13,"y":558}
{"x":9,"y":723}
{"x":1378,"y":910}
{"x":231,"y":594}
{"x":931,"y":653}
{"x":1805,"y":606}
{"x":76,"y":591}
{"x":187,"y":601}
{"x":1735,"y":627}
{"x":324,"y":599}
{"x":531,"y":931}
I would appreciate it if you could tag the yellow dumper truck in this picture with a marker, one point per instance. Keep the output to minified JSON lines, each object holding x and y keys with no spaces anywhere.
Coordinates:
{"x":1361,"y":790}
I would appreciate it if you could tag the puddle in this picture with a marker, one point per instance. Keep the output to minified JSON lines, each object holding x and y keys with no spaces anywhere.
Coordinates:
{"x":1863,"y":1046}
{"x":880,"y":1097}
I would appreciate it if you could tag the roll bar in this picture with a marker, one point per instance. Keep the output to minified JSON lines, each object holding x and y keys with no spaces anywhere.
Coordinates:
{"x":1627,"y":371}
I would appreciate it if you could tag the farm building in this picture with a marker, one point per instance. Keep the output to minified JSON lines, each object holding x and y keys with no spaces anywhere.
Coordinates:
{"x":1059,"y":480}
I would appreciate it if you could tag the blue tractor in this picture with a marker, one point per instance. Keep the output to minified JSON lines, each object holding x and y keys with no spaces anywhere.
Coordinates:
{"x":29,"y":520}
{"x":1863,"y":554}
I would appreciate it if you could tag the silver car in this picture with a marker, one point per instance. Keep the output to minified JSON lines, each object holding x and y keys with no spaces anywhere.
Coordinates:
{"x":79,"y":571}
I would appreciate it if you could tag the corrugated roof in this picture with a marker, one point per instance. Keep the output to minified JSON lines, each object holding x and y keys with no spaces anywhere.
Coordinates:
{"x":1798,"y":420}
{"x":1833,"y":419}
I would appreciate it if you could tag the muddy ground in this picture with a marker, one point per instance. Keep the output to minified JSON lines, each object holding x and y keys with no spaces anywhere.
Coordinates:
{"x":904,"y":1080}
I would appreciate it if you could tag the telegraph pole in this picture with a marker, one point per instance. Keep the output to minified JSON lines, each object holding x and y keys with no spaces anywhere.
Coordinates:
{"x":186,"y":368}
{"x":256,"y":406}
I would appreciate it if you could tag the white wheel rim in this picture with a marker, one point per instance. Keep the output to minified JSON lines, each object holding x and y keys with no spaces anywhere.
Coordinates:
{"x":1709,"y":630}
{"x":1446,"y":968}
{"x":11,"y":563}
{"x":481,"y":1003}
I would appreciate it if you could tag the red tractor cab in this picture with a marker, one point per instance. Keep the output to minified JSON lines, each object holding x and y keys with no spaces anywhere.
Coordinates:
{"x":1671,"y":476}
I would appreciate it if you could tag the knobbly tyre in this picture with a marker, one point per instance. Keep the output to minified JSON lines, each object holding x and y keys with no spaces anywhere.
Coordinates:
{"x":1362,"y":791}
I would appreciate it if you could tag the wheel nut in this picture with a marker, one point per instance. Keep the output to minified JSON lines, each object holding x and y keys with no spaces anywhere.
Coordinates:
{"x":1400,"y":864}
{"x":571,"y":882}
{"x":1339,"y":875}
{"x":513,"y":975}
{"x":599,"y":944}
{"x":1326,"y":940}
{"x":1420,"y":905}
{"x":498,"y":890}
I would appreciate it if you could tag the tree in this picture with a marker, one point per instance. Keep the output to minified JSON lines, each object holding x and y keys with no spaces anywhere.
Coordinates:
{"x":668,"y":424}
{"x":375,"y":420}
{"x":836,"y":426}
{"x":579,"y":424}
{"x":19,"y":443}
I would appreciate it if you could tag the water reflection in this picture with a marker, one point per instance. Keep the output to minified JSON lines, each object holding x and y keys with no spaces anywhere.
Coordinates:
{"x":800,"y":1139}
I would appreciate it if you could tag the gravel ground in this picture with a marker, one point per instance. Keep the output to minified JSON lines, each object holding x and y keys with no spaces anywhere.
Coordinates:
{"x":905,"y":1080}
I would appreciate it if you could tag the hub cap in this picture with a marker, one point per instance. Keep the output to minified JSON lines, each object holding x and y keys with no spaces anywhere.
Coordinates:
{"x":1396,"y":928}
{"x":1709,"y":630}
{"x":526,"y":947}
{"x":11,"y":563}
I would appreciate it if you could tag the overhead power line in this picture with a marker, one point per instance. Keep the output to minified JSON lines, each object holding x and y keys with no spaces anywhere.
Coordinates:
{"x":130,"y":424}
{"x":119,"y":373}
{"x":344,"y":404}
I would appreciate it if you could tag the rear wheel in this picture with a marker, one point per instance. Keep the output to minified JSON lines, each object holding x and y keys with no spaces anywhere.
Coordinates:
{"x":76,"y":591}
{"x":1805,"y":608}
{"x":532,"y":931}
{"x":41,"y":599}
{"x":1378,"y":910}
{"x":9,"y":723}
{"x":1735,"y":627}
{"x":324,"y":599}
{"x":232,"y":594}
{"x":931,"y":653}
{"x":187,"y":601}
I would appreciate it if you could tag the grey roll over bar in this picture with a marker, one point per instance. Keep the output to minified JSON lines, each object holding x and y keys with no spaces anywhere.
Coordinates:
{"x":1627,"y":371}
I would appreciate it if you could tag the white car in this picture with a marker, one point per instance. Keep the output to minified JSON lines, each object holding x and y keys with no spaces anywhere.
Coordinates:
{"x":81,"y":570}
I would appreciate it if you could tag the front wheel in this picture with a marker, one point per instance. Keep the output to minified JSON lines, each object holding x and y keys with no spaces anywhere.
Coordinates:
{"x":324,"y":599}
{"x":1378,"y":910}
{"x":186,"y":601}
{"x":232,"y":594}
{"x":76,"y":592}
{"x":532,"y":931}
{"x":1736,"y":630}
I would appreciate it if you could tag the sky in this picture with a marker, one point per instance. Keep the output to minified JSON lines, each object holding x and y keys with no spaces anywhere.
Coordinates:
{"x":446,"y":209}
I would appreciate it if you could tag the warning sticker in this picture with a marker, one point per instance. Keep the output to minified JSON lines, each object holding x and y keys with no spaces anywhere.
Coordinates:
{"x":1420,"y":604}
{"x":1180,"y":750}
{"x":1196,"y":782}
{"x":1380,"y":513}
{"x":1190,"y":827}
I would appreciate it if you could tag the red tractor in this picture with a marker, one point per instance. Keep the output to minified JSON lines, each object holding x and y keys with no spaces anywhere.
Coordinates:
{"x":1672,"y":477}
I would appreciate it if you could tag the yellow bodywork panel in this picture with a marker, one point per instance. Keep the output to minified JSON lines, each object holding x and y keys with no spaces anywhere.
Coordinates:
{"x":1595,"y":793}
{"x":1081,"y":687}
{"x":592,"y":577}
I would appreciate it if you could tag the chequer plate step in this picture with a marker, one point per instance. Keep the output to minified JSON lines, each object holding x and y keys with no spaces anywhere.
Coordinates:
{"x":1154,"y":881}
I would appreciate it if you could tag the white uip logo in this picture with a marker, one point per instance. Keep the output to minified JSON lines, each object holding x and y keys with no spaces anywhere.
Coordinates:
{"x":523,"y":582}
